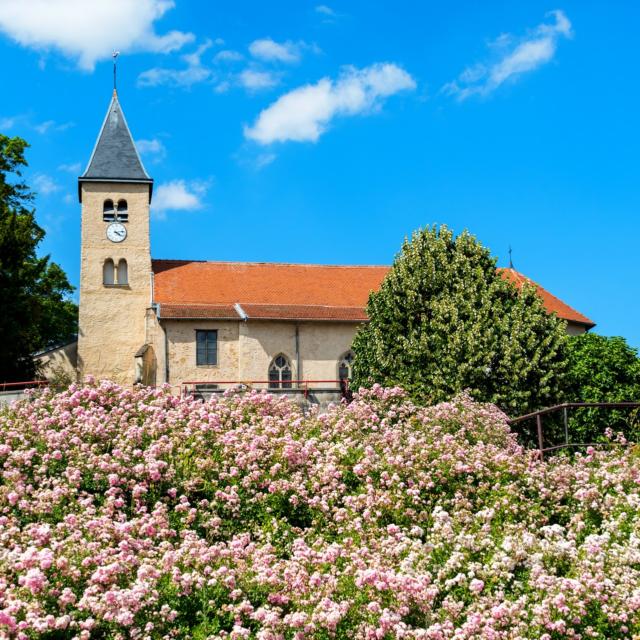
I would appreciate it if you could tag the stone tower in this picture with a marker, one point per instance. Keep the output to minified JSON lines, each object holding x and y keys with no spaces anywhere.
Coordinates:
{"x":115,"y":273}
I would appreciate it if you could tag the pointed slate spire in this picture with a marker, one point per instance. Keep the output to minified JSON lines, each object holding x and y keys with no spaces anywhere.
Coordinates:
{"x":115,"y":157}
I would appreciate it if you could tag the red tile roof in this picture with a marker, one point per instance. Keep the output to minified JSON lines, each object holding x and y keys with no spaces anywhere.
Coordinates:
{"x":551,"y":303}
{"x":266,"y":290}
{"x":258,"y":290}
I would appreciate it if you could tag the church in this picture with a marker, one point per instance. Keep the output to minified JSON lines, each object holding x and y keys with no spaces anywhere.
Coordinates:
{"x":206,"y":326}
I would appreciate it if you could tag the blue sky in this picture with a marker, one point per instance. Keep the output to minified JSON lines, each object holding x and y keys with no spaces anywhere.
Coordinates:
{"x":325,"y":133}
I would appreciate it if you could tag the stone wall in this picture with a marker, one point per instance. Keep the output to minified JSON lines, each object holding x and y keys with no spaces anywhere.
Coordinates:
{"x":112,"y":323}
{"x":575,"y":329}
{"x":246,"y":349}
{"x":58,"y":363}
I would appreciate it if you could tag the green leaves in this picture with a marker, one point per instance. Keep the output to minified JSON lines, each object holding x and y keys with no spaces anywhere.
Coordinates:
{"x":37,"y":311}
{"x":602,"y":369}
{"x":444,"y":321}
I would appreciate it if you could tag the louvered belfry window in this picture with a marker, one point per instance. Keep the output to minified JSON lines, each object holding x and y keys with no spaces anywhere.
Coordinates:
{"x":123,"y":211}
{"x":108,"y":211}
{"x":206,"y":347}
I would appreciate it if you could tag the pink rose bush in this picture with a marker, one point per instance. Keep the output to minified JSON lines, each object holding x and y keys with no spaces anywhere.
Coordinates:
{"x":137,"y":514}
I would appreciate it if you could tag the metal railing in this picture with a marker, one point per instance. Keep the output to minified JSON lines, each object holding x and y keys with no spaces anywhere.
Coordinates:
{"x":285,"y":386}
{"x":21,"y":386}
{"x":565,"y":408}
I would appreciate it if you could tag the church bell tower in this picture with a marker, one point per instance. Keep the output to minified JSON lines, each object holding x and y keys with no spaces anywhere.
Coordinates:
{"x":115,"y":274}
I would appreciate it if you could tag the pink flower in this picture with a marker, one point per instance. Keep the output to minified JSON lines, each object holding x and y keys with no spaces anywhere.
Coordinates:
{"x":34,"y":580}
{"x":476,"y":586}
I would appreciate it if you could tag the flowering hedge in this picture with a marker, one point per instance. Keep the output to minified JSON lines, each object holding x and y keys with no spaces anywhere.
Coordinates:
{"x":136,"y":514}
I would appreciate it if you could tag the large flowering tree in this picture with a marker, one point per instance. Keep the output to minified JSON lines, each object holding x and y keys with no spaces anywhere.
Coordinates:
{"x":444,"y":321}
{"x":136,"y":514}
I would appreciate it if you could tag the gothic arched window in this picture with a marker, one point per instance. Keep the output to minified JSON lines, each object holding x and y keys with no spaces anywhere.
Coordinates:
{"x":123,"y":272}
{"x":123,"y":212}
{"x":345,"y":367}
{"x":108,"y":272}
{"x":280,"y":373}
{"x":108,"y":211}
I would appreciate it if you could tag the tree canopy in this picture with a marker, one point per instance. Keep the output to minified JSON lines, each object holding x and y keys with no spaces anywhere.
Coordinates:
{"x":36,"y":309}
{"x":602,"y":369}
{"x":445,"y":321}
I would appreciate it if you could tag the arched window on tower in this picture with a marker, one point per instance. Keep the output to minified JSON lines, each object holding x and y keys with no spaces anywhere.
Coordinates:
{"x":108,"y":211}
{"x":123,"y":272}
{"x":108,"y":272}
{"x":123,"y":211}
{"x":280,"y":373}
{"x":345,"y":366}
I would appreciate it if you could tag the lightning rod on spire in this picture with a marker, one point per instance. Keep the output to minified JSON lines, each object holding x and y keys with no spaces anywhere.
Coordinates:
{"x":115,"y":55}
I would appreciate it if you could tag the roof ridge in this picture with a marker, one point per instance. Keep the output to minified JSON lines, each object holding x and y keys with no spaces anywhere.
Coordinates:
{"x":283,"y":264}
{"x":262,"y":304}
{"x":302,"y":304}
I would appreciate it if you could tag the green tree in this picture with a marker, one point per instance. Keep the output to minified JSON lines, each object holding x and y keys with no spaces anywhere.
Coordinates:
{"x":444,"y":321}
{"x":602,"y":369}
{"x":36,"y":309}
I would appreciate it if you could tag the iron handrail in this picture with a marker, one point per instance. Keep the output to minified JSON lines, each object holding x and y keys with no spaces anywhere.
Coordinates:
{"x":575,"y":405}
{"x":564,"y":407}
{"x":301,"y":385}
{"x":26,"y":383}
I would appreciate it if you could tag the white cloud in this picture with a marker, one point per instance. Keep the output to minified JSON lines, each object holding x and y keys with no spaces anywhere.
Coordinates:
{"x":7,"y":123}
{"x":90,"y":31}
{"x":222,"y":87}
{"x":305,"y":113}
{"x":178,"y":195}
{"x":325,"y":10}
{"x":256,"y":80}
{"x":515,"y":57}
{"x":73,"y":168}
{"x":153,"y":148}
{"x":44,"y":126}
{"x":51,"y":125}
{"x":176,"y":77}
{"x":264,"y":159}
{"x":271,"y":51}
{"x":45,"y":185}
{"x":228,"y":55}
{"x":193,"y":73}
{"x":194,"y":59}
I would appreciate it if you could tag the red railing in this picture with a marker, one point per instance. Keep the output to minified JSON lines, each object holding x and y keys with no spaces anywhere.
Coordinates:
{"x":20,"y":386}
{"x":303,"y":386}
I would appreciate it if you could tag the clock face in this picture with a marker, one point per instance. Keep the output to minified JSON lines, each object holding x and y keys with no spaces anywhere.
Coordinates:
{"x":116,"y":232}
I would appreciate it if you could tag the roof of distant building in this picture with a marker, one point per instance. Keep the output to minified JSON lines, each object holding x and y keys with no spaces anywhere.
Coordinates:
{"x":187,"y":289}
{"x":551,"y":303}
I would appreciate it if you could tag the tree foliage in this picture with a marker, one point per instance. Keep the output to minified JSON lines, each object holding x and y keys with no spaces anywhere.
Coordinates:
{"x":444,"y":320}
{"x":602,"y":369}
{"x":36,"y":310}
